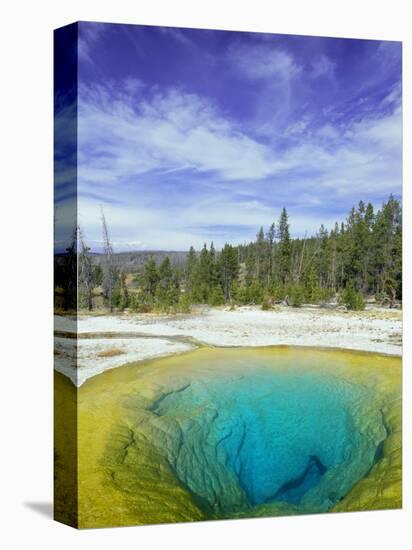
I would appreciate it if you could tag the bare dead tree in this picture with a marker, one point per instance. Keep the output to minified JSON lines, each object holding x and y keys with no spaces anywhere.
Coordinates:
{"x":310,"y":260}
{"x":271,"y":240}
{"x":109,"y":271}
{"x":86,"y":271}
{"x":302,"y":255}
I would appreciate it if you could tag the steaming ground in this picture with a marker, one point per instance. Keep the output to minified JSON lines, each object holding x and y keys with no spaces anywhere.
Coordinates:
{"x":115,"y":340}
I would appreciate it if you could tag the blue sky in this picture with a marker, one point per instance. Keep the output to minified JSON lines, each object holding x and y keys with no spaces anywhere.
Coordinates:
{"x":187,"y":136}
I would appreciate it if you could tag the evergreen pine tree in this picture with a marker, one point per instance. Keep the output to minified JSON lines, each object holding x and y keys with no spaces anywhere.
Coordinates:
{"x":284,"y":247}
{"x":150,"y":278}
{"x":229,"y":269}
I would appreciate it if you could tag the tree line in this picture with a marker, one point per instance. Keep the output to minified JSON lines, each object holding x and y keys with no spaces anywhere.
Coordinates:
{"x":355,"y":259}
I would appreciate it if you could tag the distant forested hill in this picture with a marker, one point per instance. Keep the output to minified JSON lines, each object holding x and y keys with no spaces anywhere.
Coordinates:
{"x":358,"y":258}
{"x":134,"y":261}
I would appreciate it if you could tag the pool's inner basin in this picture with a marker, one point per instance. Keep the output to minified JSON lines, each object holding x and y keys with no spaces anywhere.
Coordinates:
{"x":239,"y":441}
{"x":236,"y":432}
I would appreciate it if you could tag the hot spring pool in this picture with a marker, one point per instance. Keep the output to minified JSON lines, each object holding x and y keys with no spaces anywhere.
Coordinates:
{"x":233,"y":432}
{"x":268,"y":437}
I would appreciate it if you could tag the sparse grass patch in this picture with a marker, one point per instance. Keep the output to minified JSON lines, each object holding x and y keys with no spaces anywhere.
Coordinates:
{"x":113,"y":352}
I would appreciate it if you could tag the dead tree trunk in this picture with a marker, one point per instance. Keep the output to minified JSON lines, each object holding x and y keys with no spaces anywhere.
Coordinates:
{"x":86,"y":272}
{"x":109,"y":268}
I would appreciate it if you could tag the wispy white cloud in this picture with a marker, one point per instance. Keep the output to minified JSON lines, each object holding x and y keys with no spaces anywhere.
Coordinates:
{"x":186,"y":135}
{"x":262,"y":61}
{"x":89,"y":35}
{"x":219,"y":219}
{"x":298,"y":126}
{"x":124,"y":141}
{"x":394,"y":96}
{"x":172,"y":131}
{"x":132,"y":85}
{"x":177,"y":131}
{"x":178,"y":35}
{"x":323,"y":66}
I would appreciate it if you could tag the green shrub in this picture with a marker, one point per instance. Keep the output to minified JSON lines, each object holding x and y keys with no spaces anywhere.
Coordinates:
{"x":141,"y":302}
{"x":134,"y":301}
{"x":82,"y":299}
{"x":242,"y":296}
{"x":184,"y":305}
{"x":317,"y":294}
{"x":266,"y":303}
{"x":255,"y":292}
{"x":352,"y":299}
{"x":278,"y":292}
{"x":216,"y":297}
{"x":297,"y":296}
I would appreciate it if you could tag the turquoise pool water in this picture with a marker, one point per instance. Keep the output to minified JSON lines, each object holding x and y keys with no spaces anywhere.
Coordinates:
{"x":263,"y":438}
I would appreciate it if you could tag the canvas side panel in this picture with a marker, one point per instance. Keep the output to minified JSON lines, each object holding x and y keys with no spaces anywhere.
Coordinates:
{"x":65,"y":276}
